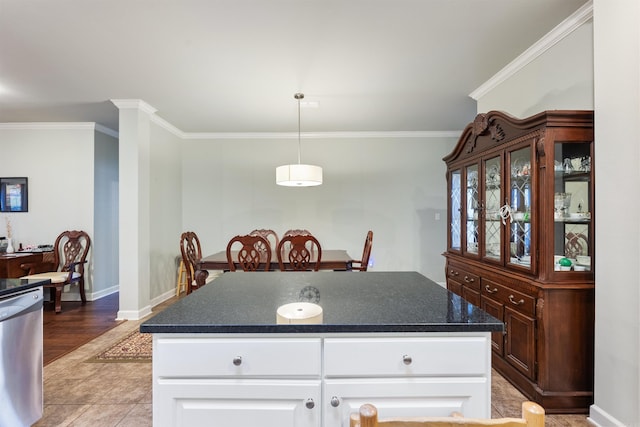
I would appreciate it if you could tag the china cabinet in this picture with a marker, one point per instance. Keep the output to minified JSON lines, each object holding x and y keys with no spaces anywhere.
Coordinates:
{"x":521,"y":246}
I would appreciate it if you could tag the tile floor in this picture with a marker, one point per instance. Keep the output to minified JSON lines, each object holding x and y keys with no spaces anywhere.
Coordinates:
{"x":80,"y":393}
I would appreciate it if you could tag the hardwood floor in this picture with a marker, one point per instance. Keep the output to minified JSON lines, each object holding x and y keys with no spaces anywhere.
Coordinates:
{"x":76,"y":325}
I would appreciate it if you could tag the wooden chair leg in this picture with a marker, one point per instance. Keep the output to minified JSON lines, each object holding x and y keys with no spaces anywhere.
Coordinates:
{"x":58,"y":299}
{"x":83,"y":296}
{"x":182,"y":279}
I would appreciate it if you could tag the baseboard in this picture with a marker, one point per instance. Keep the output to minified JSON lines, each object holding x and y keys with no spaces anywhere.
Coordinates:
{"x":600,"y":418}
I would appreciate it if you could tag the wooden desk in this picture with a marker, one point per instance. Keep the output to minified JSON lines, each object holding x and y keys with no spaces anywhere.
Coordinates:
{"x":10,"y":264}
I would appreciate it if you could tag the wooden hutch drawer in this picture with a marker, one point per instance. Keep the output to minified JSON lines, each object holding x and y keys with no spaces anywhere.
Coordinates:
{"x":510,"y":298}
{"x":463,"y":276}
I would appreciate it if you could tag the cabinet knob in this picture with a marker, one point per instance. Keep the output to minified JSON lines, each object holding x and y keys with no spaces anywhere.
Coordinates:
{"x":453,"y":273}
{"x":335,"y":402}
{"x":237,"y":360}
{"x":406,"y":359}
{"x":469,"y":279}
{"x":513,"y":301}
{"x":310,"y":404}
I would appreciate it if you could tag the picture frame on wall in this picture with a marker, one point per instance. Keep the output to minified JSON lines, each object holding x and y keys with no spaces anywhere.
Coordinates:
{"x":14,"y":194}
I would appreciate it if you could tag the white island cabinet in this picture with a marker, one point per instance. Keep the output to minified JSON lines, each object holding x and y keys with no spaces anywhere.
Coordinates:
{"x":236,"y":368}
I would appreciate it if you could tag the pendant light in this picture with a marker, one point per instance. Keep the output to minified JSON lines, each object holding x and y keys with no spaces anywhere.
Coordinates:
{"x":298,"y":175}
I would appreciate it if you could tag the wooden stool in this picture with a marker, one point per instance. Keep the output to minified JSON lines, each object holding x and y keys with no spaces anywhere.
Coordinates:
{"x":182,"y":279}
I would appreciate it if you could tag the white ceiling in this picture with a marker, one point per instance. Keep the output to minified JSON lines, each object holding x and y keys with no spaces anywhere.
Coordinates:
{"x":234,"y":65}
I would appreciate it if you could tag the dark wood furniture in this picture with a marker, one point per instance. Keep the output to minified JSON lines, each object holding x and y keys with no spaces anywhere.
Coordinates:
{"x":10,"y":264}
{"x":363,"y":264}
{"x":509,"y":224}
{"x":332,"y":259}
{"x":297,"y":232}
{"x":254,"y":253}
{"x":270,"y":235}
{"x":299,"y":252}
{"x":69,"y":258}
{"x":191,"y":254}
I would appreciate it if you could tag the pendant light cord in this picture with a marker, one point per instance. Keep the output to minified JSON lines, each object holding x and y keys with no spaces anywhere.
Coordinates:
{"x":299,"y":96}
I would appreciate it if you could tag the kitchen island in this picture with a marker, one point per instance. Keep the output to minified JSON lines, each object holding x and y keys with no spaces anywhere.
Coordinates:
{"x":394,"y":339}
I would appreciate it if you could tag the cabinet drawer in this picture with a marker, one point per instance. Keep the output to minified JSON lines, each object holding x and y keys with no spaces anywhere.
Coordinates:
{"x":220,"y":357}
{"x":378,"y":357}
{"x":463,"y":276}
{"x":509,"y":297}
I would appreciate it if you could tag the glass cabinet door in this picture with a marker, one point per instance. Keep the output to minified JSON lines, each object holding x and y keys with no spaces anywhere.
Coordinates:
{"x":573,"y":205}
{"x":456,"y":210}
{"x":492,"y":205}
{"x":520,"y":197}
{"x":472,"y":209}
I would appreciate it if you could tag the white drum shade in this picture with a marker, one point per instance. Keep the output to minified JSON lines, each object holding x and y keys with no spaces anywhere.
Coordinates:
{"x":298,"y":175}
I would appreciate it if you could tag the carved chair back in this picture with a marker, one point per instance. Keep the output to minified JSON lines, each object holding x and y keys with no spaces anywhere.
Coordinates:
{"x":254,"y":253}
{"x":298,"y":252}
{"x":270,"y":235}
{"x":191,"y":254}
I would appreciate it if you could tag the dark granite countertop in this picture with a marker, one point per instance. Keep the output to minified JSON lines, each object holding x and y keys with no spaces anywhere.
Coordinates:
{"x":352,"y":302}
{"x":9,"y":287}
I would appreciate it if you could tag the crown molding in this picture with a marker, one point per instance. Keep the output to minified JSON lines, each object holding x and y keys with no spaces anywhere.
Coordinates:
{"x":234,"y":135}
{"x":59,"y":126}
{"x":107,"y":131}
{"x":139,"y":104}
{"x":322,"y":135}
{"x":134,"y":103}
{"x":561,"y":31}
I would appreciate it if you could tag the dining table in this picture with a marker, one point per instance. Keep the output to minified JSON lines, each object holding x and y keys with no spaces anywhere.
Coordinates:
{"x":332,"y":259}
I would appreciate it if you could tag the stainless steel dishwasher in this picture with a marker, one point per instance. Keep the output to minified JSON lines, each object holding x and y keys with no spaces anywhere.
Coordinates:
{"x":21,"y":361}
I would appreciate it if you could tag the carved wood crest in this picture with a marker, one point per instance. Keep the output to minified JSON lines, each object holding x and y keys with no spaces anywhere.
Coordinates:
{"x":483,"y":126}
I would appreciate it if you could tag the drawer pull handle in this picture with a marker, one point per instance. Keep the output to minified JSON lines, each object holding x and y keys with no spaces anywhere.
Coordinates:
{"x":406,"y":359}
{"x":453,"y":273}
{"x":237,"y":360}
{"x":469,"y":279}
{"x":335,"y":402}
{"x":491,"y":291}
{"x":513,"y":301}
{"x":310,"y":404}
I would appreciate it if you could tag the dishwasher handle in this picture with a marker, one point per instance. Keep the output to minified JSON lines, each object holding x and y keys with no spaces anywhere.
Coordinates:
{"x":21,"y":304}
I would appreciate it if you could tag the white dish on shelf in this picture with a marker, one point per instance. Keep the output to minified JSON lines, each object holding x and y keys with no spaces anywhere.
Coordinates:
{"x":580,"y":215}
{"x":583,"y":260}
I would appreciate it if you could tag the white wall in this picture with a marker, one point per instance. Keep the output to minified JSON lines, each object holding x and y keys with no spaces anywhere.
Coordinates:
{"x":58,"y":161}
{"x":617,"y":152}
{"x":560,"y":79}
{"x":165,"y":220}
{"x":394,"y":187}
{"x":105,"y":237}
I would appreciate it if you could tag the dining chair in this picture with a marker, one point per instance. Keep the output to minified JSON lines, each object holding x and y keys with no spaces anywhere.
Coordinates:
{"x":296,"y":253}
{"x":297,"y":232}
{"x":254,"y":251}
{"x":363,"y":264}
{"x":64,"y":267}
{"x":191,"y":254}
{"x":532,"y":416}
{"x":270,"y":235}
{"x":300,"y":232}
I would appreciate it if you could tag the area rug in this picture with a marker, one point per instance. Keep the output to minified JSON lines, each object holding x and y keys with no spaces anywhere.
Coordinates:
{"x":135,"y":347}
